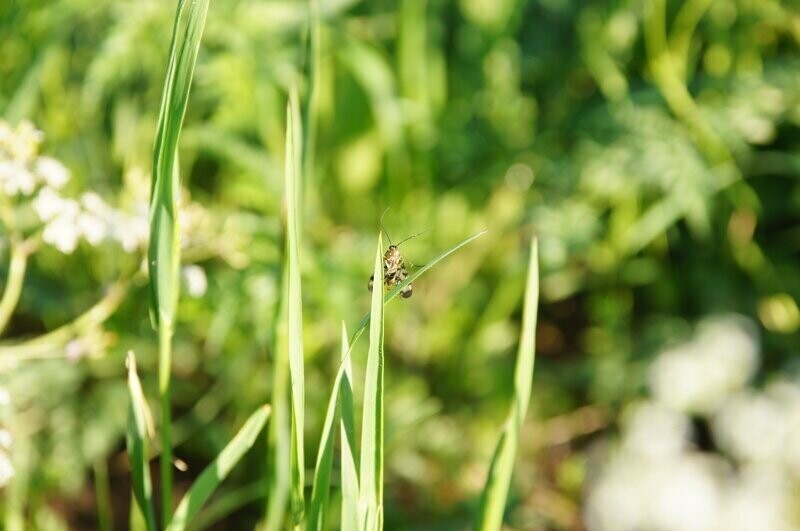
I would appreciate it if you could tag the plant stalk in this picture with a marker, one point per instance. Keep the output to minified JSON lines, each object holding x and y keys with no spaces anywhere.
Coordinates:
{"x":164,"y":369}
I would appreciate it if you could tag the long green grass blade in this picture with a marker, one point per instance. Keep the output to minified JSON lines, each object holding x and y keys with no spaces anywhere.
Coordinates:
{"x":493,"y":500}
{"x":280,"y":438}
{"x":318,"y":509}
{"x":218,"y":470}
{"x":371,"y":465}
{"x":140,"y":427}
{"x":163,"y":257}
{"x":164,"y":250}
{"x":409,"y":279}
{"x":293,"y":181}
{"x":349,"y":457}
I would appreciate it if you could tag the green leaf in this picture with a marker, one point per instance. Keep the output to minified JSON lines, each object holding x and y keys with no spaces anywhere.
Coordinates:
{"x":218,"y":470}
{"x":280,"y":438}
{"x":164,"y":251}
{"x":140,"y":426}
{"x":371,"y":466}
{"x":493,"y":500}
{"x":293,"y":182}
{"x":349,"y":457}
{"x":318,"y":509}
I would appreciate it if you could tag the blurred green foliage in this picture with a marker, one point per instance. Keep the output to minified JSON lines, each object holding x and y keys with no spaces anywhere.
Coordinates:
{"x":651,"y":145}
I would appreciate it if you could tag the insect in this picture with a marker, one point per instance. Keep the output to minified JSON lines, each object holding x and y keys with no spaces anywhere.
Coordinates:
{"x":394,"y":267}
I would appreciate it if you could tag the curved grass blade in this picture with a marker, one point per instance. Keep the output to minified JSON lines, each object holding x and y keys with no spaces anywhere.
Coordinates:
{"x":140,"y":426}
{"x":293,"y":180}
{"x":371,"y":465}
{"x":164,"y":252}
{"x":218,"y":470}
{"x":409,"y":279}
{"x":493,"y":499}
{"x":318,"y":508}
{"x":349,"y":457}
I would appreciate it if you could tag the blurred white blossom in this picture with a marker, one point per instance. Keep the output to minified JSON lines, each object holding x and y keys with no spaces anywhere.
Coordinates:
{"x":62,"y":232}
{"x":52,"y":172}
{"x":699,"y":375}
{"x":655,"y":431}
{"x":657,"y":479}
{"x":5,"y":439}
{"x":194,"y":278}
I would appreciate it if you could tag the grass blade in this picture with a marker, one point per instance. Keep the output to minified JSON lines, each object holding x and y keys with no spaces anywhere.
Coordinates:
{"x":493,"y":500}
{"x":349,"y":457}
{"x":293,"y":181}
{"x":318,"y":508}
{"x":280,"y":438}
{"x":411,"y":278}
{"x":371,"y":466}
{"x":163,"y":255}
{"x":217,"y":471}
{"x":140,"y":426}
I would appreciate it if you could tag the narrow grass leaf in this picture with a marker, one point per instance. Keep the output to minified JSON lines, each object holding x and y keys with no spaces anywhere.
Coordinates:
{"x":280,"y":437}
{"x":349,"y":457}
{"x":140,"y":427}
{"x":293,"y":181}
{"x":493,"y":499}
{"x":318,"y":509}
{"x":218,"y":470}
{"x":371,"y":465}
{"x":164,"y":251}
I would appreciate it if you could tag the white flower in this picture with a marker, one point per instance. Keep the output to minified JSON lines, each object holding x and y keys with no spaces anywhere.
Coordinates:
{"x":651,"y":430}
{"x":194,"y":278}
{"x":751,"y":427}
{"x":679,"y":493}
{"x":759,"y":500}
{"x":16,"y":178}
{"x":94,"y":203}
{"x":131,"y":232}
{"x":25,"y":143}
{"x":48,"y":204}
{"x":699,"y":375}
{"x":92,"y":228}
{"x":52,"y":172}
{"x":5,"y":397}
{"x":5,"y":439}
{"x":62,"y":233}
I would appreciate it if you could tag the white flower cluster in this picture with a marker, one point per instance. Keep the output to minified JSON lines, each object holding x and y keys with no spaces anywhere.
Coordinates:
{"x":67,"y":221}
{"x":700,"y":374}
{"x":23,"y":172}
{"x":657,"y":479}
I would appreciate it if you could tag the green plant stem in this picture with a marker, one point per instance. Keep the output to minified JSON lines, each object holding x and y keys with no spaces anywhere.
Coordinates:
{"x":16,"y":275}
{"x":164,"y":369}
{"x":94,"y":316}
{"x":105,"y":518}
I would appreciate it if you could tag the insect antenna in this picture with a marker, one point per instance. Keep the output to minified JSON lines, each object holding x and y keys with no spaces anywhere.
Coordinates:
{"x":411,"y":237}
{"x":386,"y":232}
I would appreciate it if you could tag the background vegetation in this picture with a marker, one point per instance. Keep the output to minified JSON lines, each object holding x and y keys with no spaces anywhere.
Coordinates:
{"x":651,"y":146}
